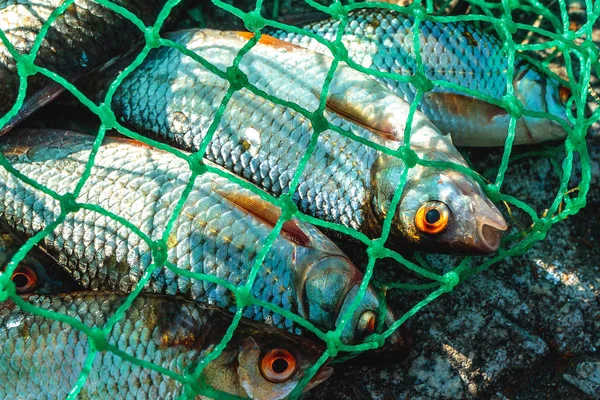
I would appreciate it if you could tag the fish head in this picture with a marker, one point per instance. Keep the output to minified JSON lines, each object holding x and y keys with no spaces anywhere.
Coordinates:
{"x":440,"y":209}
{"x":542,"y":93}
{"x":37,"y":272}
{"x":272,"y":363}
{"x":330,"y":286}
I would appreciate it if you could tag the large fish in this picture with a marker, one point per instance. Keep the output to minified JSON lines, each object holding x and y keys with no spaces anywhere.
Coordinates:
{"x":174,"y":98}
{"x":43,"y":358}
{"x":85,"y":36}
{"x":218,"y":232}
{"x":455,"y":52}
{"x":37,"y":272}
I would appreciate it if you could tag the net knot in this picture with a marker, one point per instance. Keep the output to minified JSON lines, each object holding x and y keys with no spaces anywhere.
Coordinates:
{"x":7,"y":287}
{"x":68,"y":203}
{"x":493,"y":193}
{"x":449,"y":281}
{"x":542,"y":226}
{"x":340,"y":52}
{"x":107,"y":116}
{"x":254,"y":22}
{"x":288,"y":207}
{"x":196,"y":164}
{"x":507,"y":24}
{"x":377,"y":248}
{"x":152,"y":38}
{"x":408,"y":155}
{"x":319,"y":122}
{"x":332,"y":343}
{"x":237,"y":79}
{"x":160,"y":252}
{"x":418,"y":10}
{"x":421,"y":82}
{"x":512,"y":105}
{"x":98,"y":340}
{"x":25,"y":65}
{"x":337,"y":11}
{"x":243,"y":297}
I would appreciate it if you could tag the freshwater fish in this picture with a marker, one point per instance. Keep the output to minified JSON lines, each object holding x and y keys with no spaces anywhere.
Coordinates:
{"x":42,"y":357}
{"x":173,"y":98}
{"x":84,"y":37}
{"x":218,"y":232}
{"x":456,"y":52}
{"x":37,"y":272}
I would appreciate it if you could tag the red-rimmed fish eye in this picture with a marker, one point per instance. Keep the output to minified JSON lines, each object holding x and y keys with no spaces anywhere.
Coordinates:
{"x":278,"y":365}
{"x":367,"y":322}
{"x":432,"y":218}
{"x":564,"y":93}
{"x":24,"y":278}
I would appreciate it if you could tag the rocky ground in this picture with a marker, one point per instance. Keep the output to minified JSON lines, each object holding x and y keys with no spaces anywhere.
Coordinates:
{"x":527,"y":328}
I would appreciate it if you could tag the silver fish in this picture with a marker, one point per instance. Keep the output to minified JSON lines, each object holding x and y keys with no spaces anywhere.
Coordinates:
{"x":42,"y":357}
{"x":219,"y":232}
{"x":175,"y":99}
{"x":455,"y":52}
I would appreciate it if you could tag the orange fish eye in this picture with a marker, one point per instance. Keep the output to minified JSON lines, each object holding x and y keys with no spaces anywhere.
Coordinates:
{"x":432,"y":218}
{"x":367,"y":322}
{"x":564,"y":93}
{"x":24,"y":279}
{"x":278,"y":365}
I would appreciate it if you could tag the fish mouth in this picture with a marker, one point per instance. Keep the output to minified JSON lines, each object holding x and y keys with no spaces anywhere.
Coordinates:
{"x":321,"y":376}
{"x":490,"y":232}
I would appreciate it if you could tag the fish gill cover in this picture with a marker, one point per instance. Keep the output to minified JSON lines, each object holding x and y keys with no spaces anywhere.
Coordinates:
{"x":570,"y":198}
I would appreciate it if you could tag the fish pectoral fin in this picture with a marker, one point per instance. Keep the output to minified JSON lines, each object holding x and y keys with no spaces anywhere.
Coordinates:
{"x":271,"y":41}
{"x":466,"y":106}
{"x":266,"y":212}
{"x":34,"y":103}
{"x":355,"y":113}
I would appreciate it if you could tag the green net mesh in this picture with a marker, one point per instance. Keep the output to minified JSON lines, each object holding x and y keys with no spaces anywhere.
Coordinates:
{"x":497,"y":15}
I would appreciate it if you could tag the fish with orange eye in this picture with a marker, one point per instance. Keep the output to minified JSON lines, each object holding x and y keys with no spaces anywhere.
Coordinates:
{"x":258,"y":362}
{"x":37,"y":272}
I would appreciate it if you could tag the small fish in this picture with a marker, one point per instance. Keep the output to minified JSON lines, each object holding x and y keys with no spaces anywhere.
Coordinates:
{"x":37,"y":272}
{"x":84,"y":37}
{"x":173,"y":98}
{"x":43,"y":358}
{"x":455,"y":52}
{"x":219,"y":232}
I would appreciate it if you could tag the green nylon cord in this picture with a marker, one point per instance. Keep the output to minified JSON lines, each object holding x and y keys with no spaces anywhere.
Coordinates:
{"x":498,"y":15}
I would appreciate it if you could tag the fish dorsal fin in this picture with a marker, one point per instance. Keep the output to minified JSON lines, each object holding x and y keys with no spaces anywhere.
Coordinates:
{"x":358,"y":114}
{"x":267,"y":213}
{"x":466,"y":106}
{"x":271,"y":41}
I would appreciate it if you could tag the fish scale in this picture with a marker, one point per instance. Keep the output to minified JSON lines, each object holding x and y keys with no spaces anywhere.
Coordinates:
{"x":211,"y":235}
{"x":456,"y":52}
{"x":43,"y":358}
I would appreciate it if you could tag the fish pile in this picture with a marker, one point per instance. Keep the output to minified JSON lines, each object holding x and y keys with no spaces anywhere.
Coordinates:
{"x":191,"y":232}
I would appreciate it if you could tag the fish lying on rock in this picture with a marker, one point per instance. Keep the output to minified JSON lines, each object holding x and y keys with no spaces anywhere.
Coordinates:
{"x":172,"y":97}
{"x":219,"y":232}
{"x":43,"y":358}
{"x":84,"y":37}
{"x":456,"y":52}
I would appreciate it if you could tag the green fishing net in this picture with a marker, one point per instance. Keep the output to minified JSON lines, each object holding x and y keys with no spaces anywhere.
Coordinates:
{"x":558,"y":39}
